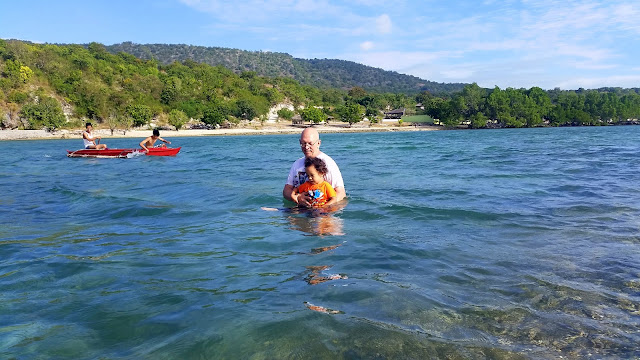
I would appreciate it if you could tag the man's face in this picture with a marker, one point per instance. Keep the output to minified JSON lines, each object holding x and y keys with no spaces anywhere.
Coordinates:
{"x":310,"y":145}
{"x":89,"y":128}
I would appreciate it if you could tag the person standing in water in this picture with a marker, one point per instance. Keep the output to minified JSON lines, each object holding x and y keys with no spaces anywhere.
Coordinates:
{"x":90,"y":140}
{"x":320,"y":191}
{"x":310,"y":146}
{"x":151,"y":140}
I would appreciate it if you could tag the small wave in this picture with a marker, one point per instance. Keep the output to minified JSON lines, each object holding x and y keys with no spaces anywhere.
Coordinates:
{"x":135,"y":154}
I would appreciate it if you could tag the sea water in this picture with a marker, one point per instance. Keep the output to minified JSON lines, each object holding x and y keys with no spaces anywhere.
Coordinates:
{"x":452,"y":244}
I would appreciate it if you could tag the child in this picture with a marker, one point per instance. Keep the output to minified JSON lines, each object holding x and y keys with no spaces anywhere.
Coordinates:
{"x":148,"y":142}
{"x":90,"y":140}
{"x":320,"y":190}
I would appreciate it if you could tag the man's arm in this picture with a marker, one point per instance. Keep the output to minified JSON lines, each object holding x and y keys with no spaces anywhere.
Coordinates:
{"x":288,"y":194}
{"x":143,"y":144}
{"x":340,"y":193}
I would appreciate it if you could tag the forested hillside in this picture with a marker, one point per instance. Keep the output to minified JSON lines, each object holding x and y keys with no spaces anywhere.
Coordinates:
{"x":53,"y":86}
{"x":120,"y":90}
{"x":322,"y":73}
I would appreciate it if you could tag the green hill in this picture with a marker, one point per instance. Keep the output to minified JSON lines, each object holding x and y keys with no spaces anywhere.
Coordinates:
{"x":48,"y":85}
{"x":322,"y":73}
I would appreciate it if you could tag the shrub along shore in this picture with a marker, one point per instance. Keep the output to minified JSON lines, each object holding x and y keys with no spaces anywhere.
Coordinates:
{"x":264,"y":130}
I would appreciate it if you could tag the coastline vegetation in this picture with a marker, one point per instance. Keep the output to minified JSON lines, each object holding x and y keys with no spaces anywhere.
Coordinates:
{"x":62,"y":86}
{"x":476,"y":107}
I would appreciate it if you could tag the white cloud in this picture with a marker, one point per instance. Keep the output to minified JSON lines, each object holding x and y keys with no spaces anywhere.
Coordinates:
{"x":367,"y":45}
{"x":627,"y":16}
{"x":504,"y":43}
{"x":383,"y":24}
{"x":596,"y":82}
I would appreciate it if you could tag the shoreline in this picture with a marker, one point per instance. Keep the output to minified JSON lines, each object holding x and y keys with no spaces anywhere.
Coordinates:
{"x":9,"y":135}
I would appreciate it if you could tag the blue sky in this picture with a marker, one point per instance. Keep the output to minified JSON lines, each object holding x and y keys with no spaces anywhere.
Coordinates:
{"x":546,"y":43}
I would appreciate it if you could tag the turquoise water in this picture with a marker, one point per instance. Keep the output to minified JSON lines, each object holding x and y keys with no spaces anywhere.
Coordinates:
{"x":453,"y":244}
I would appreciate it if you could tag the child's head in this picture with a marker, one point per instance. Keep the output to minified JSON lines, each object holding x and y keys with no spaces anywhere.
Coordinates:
{"x":315,"y":169}
{"x":156,"y":132}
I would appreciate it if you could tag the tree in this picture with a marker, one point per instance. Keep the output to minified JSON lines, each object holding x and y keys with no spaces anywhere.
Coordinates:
{"x":332,"y":97}
{"x":192,"y":108}
{"x":313,"y":115}
{"x":25,"y":74}
{"x":246,"y":109}
{"x":372,"y":114}
{"x":442,"y":110}
{"x":14,"y":73}
{"x":471,"y":101}
{"x":249,"y":106}
{"x":285,"y":113}
{"x":273,"y":96}
{"x":141,"y":114}
{"x":177,"y":118}
{"x":357,"y":92}
{"x":127,"y":123}
{"x":478,"y":120}
{"x":424,"y":97}
{"x":171,"y":90}
{"x":99,"y":51}
{"x":114,"y":121}
{"x":520,"y":109}
{"x":542,"y":101}
{"x":47,"y":113}
{"x":498,"y":105}
{"x":631,"y":106}
{"x":213,"y":115}
{"x":351,"y":113}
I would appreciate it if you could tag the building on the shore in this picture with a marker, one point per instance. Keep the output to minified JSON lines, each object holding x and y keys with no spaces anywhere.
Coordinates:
{"x":395,"y":114}
{"x":297,"y":120}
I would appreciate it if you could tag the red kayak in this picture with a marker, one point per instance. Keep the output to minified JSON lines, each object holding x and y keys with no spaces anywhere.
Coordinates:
{"x":123,"y":153}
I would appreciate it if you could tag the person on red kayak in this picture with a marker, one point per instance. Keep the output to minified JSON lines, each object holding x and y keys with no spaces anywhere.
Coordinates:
{"x":148,"y":142}
{"x":90,"y":140}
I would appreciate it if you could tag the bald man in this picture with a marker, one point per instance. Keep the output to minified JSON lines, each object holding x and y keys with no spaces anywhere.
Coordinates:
{"x":310,"y":146}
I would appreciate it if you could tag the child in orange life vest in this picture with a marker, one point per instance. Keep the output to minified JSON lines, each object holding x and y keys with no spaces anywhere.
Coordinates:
{"x":322,"y":192}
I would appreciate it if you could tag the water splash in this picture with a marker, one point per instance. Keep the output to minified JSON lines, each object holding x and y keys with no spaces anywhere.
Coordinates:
{"x":135,"y":154}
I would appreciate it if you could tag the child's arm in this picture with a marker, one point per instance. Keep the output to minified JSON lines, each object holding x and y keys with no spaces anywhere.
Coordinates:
{"x":163,"y":140}
{"x":332,"y":197}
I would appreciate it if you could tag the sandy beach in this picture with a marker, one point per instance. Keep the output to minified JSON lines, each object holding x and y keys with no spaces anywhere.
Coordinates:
{"x":260,"y":130}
